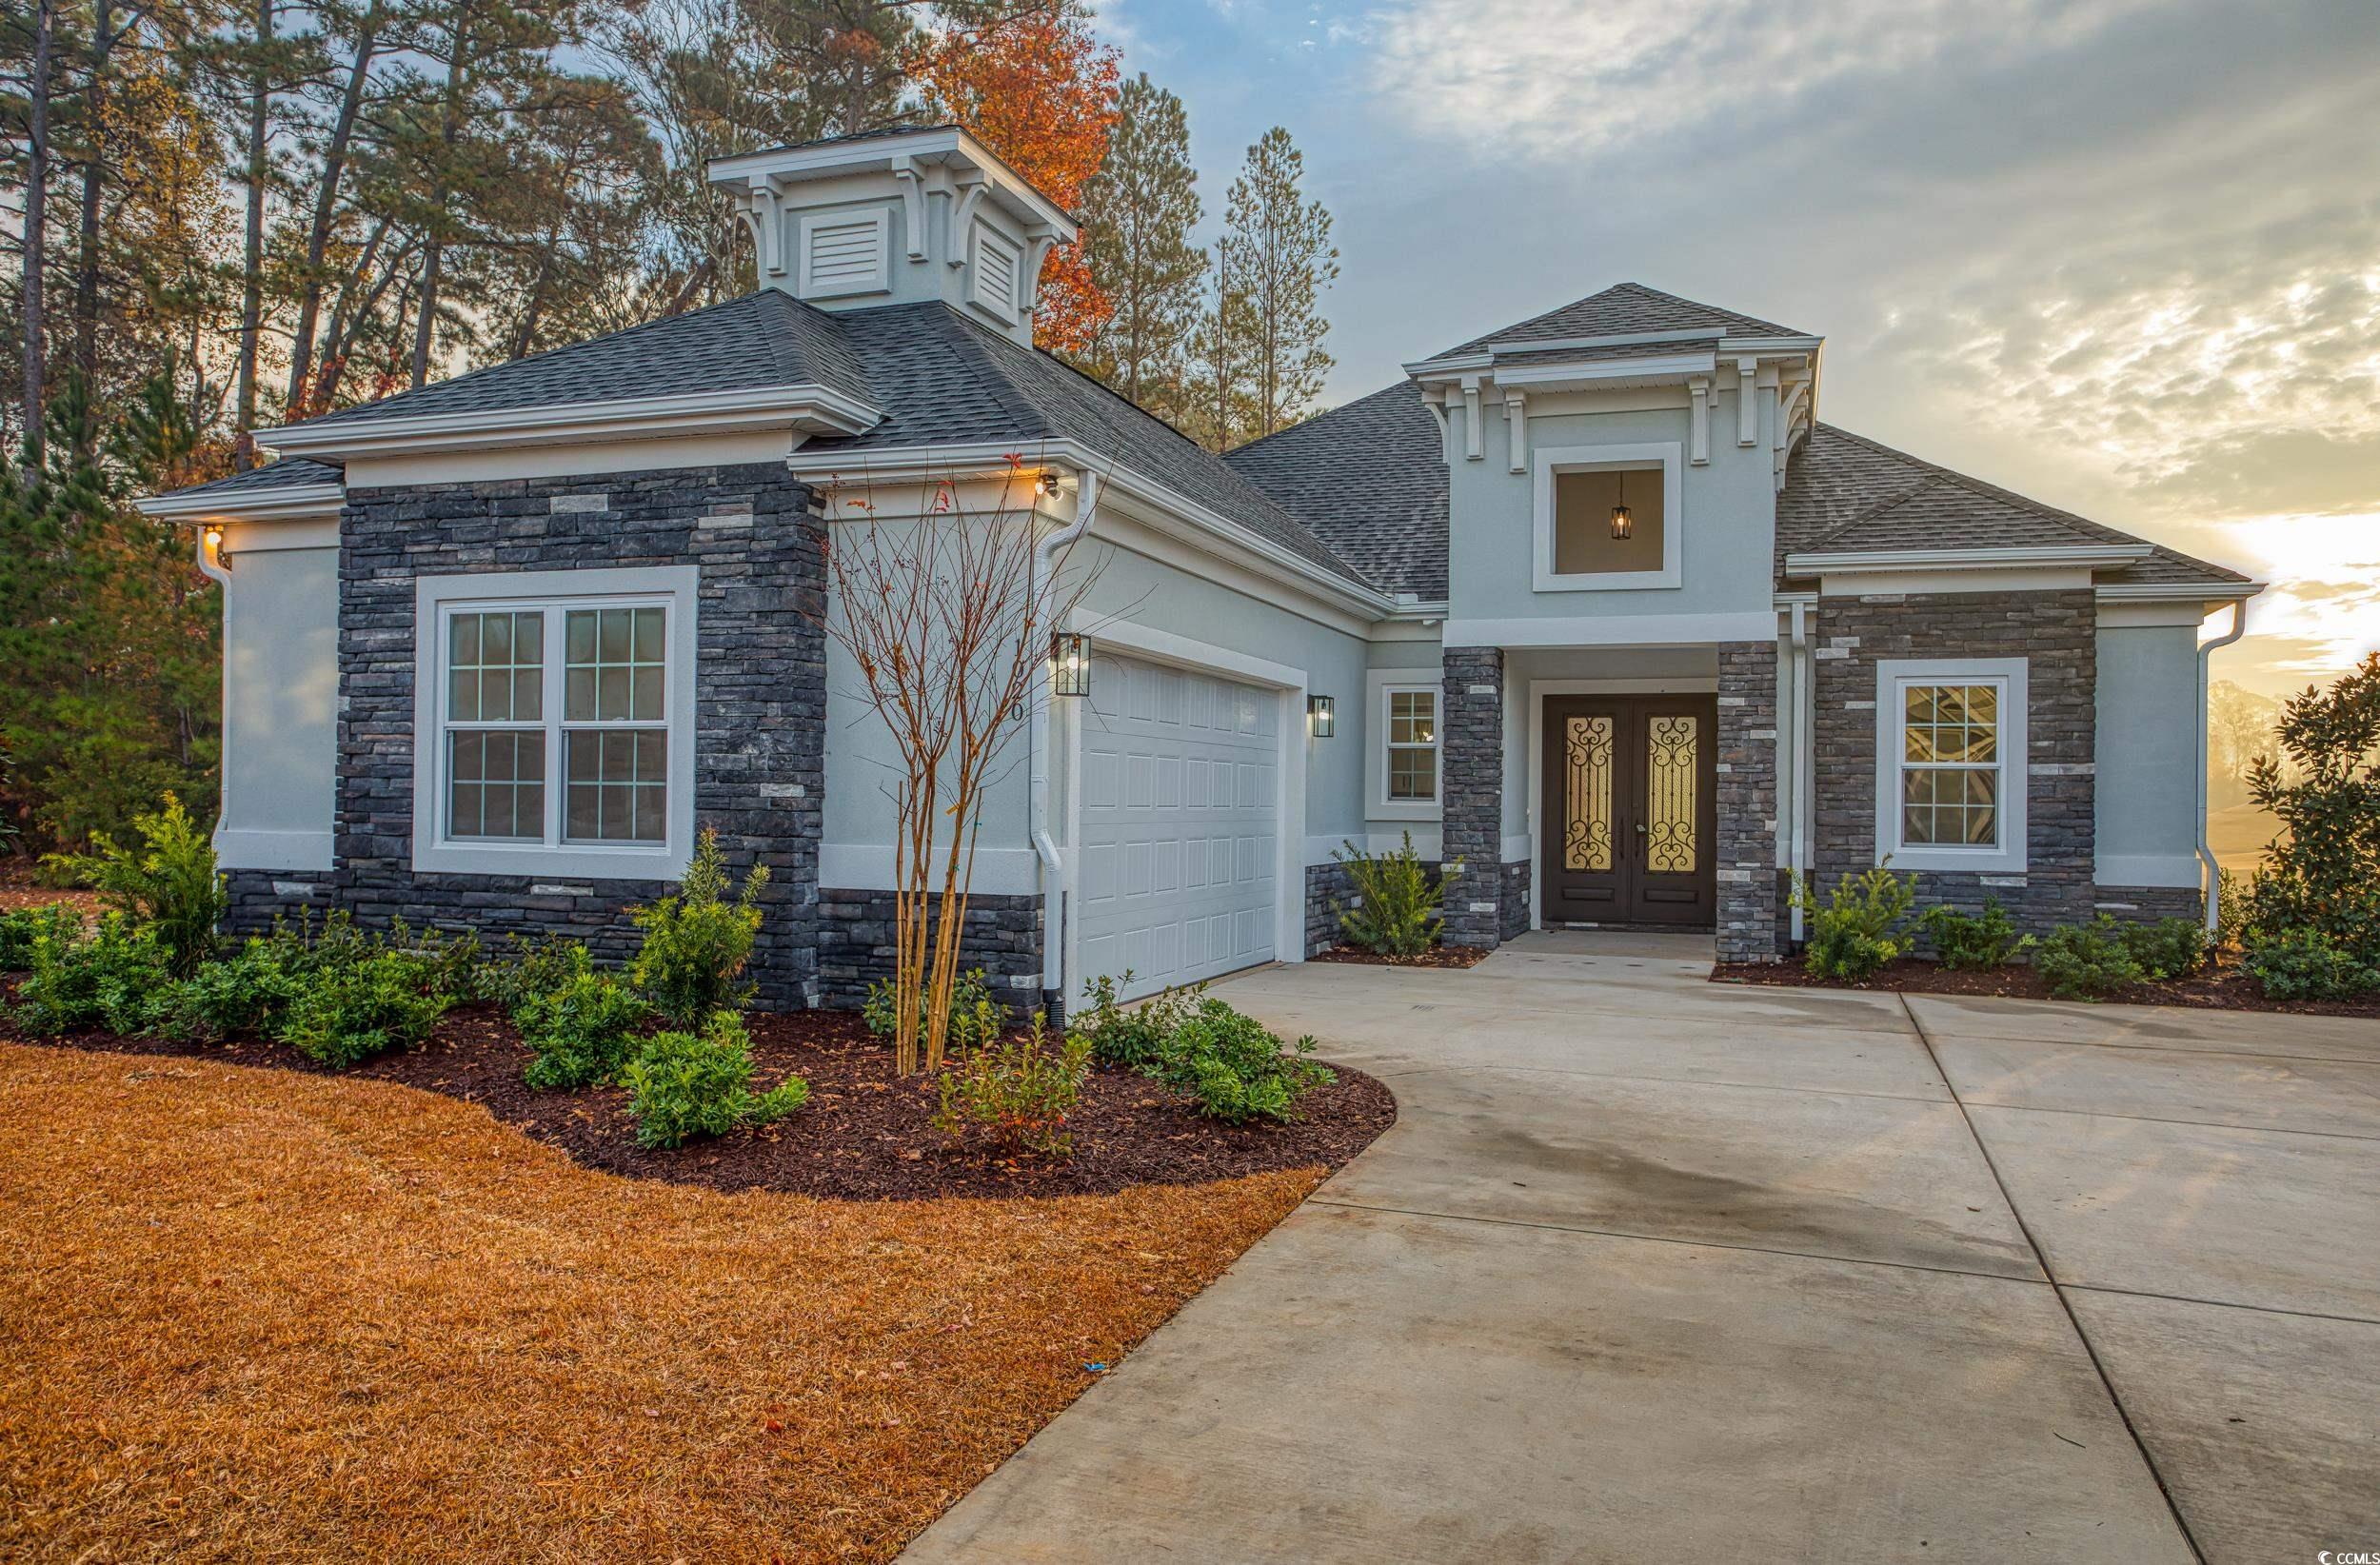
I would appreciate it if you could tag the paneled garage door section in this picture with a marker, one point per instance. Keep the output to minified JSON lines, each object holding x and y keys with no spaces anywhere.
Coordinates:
{"x":1180,"y":844}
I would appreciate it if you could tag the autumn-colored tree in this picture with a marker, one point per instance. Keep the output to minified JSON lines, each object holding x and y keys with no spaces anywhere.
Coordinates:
{"x":1040,"y":91}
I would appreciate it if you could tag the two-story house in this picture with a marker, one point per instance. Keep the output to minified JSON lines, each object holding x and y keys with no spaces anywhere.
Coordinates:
{"x":1594,"y":607}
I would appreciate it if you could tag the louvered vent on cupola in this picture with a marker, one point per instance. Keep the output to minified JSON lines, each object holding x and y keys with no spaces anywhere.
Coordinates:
{"x":995,"y":273}
{"x":846,"y":253}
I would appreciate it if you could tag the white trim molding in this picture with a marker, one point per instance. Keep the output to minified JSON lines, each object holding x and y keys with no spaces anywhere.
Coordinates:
{"x":1667,"y":457}
{"x":282,"y":503}
{"x":1379,"y":685}
{"x":435,"y":598}
{"x":2011,"y":760}
{"x":2071,"y":556}
{"x":1758,"y":625}
{"x":245,"y":847}
{"x":809,"y":408}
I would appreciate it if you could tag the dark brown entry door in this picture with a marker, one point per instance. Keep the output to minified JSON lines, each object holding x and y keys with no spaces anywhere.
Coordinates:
{"x":1630,"y":809}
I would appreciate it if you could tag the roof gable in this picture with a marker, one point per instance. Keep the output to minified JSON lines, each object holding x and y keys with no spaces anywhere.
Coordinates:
{"x":1626,"y":309}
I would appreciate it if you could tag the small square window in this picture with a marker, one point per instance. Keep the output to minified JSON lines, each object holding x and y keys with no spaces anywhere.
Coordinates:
{"x":1409,"y":743}
{"x":1949,"y":746}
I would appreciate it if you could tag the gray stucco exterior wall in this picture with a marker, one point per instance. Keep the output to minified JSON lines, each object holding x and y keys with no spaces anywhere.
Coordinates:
{"x":759,"y":724}
{"x":2055,"y":632}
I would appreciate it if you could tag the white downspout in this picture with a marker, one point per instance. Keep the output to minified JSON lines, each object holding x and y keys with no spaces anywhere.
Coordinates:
{"x":210,"y":555}
{"x":1798,"y":850}
{"x":2210,"y":873}
{"x":1044,"y":846}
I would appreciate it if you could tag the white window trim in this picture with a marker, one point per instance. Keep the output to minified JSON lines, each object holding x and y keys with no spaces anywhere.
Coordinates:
{"x":877,"y":281}
{"x":2009,"y":674}
{"x":435,"y":597}
{"x":1669,"y":456}
{"x":1380,"y":683}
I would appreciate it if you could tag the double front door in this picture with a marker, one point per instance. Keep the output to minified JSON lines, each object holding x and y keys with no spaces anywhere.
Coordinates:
{"x":1630,"y":810}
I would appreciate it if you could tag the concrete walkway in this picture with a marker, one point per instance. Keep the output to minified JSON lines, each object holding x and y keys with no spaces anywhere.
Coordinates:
{"x":1652,"y":1269}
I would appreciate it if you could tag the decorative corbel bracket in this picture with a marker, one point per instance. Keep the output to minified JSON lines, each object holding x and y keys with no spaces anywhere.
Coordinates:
{"x":1472,"y":450}
{"x":768,"y":228}
{"x":1036,"y":251}
{"x":912,"y":208}
{"x":1517,"y":425}
{"x":1746,"y":401}
{"x":961,"y":219}
{"x":1699,"y":438}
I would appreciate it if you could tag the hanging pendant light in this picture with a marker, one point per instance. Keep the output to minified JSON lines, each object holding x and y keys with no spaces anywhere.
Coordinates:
{"x":1623,"y":522}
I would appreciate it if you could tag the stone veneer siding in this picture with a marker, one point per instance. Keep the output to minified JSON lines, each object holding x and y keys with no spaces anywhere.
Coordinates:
{"x":760,"y":680}
{"x":1002,"y":935}
{"x":1745,"y":854}
{"x":2056,"y":633}
{"x":1470,"y":768}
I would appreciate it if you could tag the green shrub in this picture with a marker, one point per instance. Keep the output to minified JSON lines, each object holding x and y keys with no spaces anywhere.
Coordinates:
{"x":348,"y":1012}
{"x":1395,"y":913}
{"x":20,"y":927}
{"x":2308,"y":964}
{"x":2322,"y":872}
{"x":583,"y":1032}
{"x":529,"y":970}
{"x":170,"y":882}
{"x":686,"y":1084}
{"x":1021,"y":1088}
{"x":2236,"y":911}
{"x":1232,"y":1067}
{"x":1971,"y":942}
{"x":452,"y":960}
{"x":697,"y":942}
{"x":2169,"y":948}
{"x":1855,"y":931}
{"x":2089,"y":960}
{"x":1131,"y":1038}
{"x":970,"y":997}
{"x":249,"y":991}
{"x":114,"y":978}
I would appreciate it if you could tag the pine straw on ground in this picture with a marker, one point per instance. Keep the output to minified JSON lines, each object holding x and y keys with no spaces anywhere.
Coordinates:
{"x":261,"y":1315}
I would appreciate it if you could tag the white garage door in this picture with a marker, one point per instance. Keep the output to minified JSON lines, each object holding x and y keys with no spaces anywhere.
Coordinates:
{"x":1180,"y":832}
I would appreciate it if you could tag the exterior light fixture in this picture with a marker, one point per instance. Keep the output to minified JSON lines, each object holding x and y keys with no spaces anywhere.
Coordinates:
{"x":1322,"y":717}
{"x":1046,"y":483}
{"x":1623,"y":522}
{"x":1069,"y":664}
{"x":214,"y":549}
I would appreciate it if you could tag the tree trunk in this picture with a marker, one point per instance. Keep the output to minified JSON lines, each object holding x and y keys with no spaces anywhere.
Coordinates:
{"x":327,"y":210}
{"x":433,"y":258}
{"x":252,"y":288}
{"x":36,"y":184}
{"x":86,"y":259}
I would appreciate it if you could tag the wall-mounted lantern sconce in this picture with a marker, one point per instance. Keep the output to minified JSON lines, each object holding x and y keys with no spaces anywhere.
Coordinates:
{"x":214,"y":549}
{"x":1322,"y":717}
{"x":1069,"y":664}
{"x":1623,"y":522}
{"x":1044,"y":484}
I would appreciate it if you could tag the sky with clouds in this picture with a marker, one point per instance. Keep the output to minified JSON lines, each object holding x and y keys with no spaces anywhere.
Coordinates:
{"x":2122,"y":255}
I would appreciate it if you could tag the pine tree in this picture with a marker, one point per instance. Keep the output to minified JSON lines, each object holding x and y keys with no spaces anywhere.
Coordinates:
{"x":1137,"y":215}
{"x":1280,"y":259}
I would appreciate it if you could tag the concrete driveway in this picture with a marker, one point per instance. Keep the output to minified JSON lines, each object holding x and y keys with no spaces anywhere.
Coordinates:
{"x":1652,"y":1269}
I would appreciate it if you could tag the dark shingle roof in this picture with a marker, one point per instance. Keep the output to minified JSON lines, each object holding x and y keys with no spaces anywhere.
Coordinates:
{"x":944,"y":380}
{"x":1844,"y":492}
{"x":286,"y":474}
{"x":1625,"y":309}
{"x":761,"y":340}
{"x":1370,"y":479}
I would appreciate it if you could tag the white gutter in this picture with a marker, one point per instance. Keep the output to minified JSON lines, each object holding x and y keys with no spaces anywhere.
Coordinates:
{"x":2098,"y":555}
{"x":2211,"y":873}
{"x":1053,"y":867}
{"x":210,"y":557}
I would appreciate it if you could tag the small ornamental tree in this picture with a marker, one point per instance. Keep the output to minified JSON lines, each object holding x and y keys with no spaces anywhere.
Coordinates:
{"x":2323,"y":872}
{"x":944,"y":597}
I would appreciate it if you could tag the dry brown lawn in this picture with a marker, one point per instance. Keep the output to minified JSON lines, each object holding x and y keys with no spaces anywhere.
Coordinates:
{"x":259,"y":1316}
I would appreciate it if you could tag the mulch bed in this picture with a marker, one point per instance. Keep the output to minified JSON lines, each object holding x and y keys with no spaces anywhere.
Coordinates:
{"x":865,"y":1135}
{"x":2223,"y":987}
{"x":15,"y":895}
{"x":1437,"y":956}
